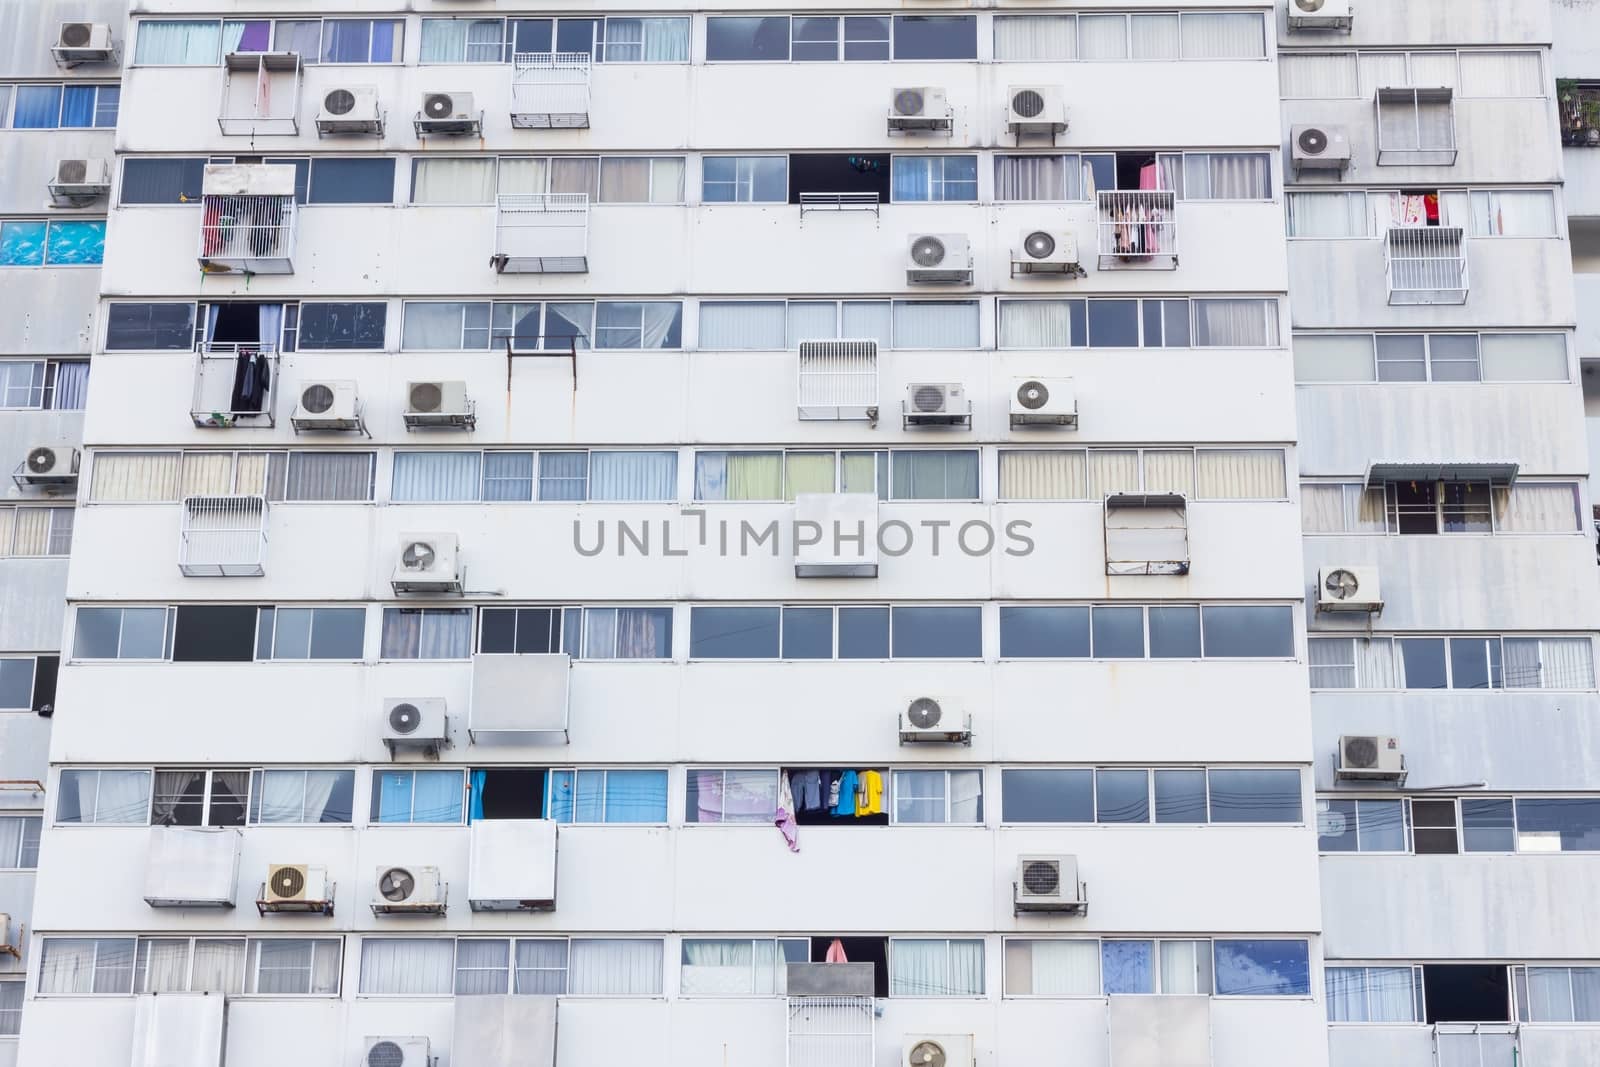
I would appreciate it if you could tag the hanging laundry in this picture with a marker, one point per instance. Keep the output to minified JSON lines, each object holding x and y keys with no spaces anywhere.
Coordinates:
{"x":835,"y":953}
{"x":808,"y":791}
{"x":831,"y":789}
{"x":871,"y":794}
{"x":847,"y":794}
{"x":784,"y":817}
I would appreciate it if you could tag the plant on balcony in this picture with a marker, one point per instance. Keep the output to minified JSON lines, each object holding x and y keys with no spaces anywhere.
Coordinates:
{"x":1579,"y":107}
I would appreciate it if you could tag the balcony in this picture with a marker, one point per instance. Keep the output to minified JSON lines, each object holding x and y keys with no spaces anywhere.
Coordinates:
{"x":1580,"y":113}
{"x":1147,"y":533}
{"x":542,"y":233}
{"x":234,"y":385}
{"x":1426,"y":265}
{"x":830,"y":1031}
{"x":550,"y":91}
{"x":260,"y":94}
{"x":223,"y":537}
{"x":1138,"y":230}
{"x":247,"y":222}
{"x":838,"y":380}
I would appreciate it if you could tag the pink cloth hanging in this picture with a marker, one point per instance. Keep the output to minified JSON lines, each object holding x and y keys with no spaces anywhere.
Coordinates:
{"x":783,"y":818}
{"x":835,"y":953}
{"x":1148,"y":177}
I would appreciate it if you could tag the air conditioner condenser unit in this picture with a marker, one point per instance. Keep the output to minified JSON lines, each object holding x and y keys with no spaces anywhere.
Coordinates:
{"x":448,"y":112}
{"x":1371,"y":758}
{"x":1319,"y":148}
{"x":927,"y":719}
{"x":429,"y":563}
{"x":327,"y":405}
{"x":1049,"y":884}
{"x":408,"y":890}
{"x":921,"y":108}
{"x":439,"y":405}
{"x":936,"y":404}
{"x":350,"y":109}
{"x":1044,"y":402}
{"x":939,"y":258}
{"x":1320,"y":15}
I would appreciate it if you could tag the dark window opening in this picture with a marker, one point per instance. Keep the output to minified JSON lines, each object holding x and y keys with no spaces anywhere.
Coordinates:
{"x":1433,"y":827}
{"x":238,"y":323}
{"x":1415,"y":508}
{"x":1431,"y":214}
{"x":524,"y":630}
{"x":873,"y":950}
{"x":1466,"y":993}
{"x":834,"y":173}
{"x":162,"y":180}
{"x":150,"y":327}
{"x":935,"y":37}
{"x":45,"y":670}
{"x":215,"y":633}
{"x":340,"y":326}
{"x":815,"y":788}
{"x":352,"y":181}
{"x":508,"y":793}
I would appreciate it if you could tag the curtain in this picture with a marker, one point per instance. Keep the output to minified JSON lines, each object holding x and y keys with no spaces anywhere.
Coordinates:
{"x":1377,"y":666}
{"x":432,"y":633}
{"x":1328,"y":215}
{"x":162,"y":965}
{"x":483,"y":966}
{"x":1549,"y":663}
{"x":575,"y":174}
{"x":1429,"y":69}
{"x":732,"y":796}
{"x":633,"y":475}
{"x":67,"y":966}
{"x":1223,"y":35}
{"x":1505,"y":357}
{"x":1235,"y":176}
{"x":966,"y":796}
{"x":143,"y":476}
{"x":917,"y":178}
{"x":1185,"y":967}
{"x":1549,"y":995}
{"x":1240,"y":474}
{"x":666,"y":40}
{"x":19,"y":842}
{"x":454,"y":181}
{"x":541,"y":966}
{"x":1381,"y":70}
{"x":1333,"y":358}
{"x":1501,"y":74}
{"x":934,"y":475}
{"x":218,"y":965}
{"x":1102,"y":37}
{"x":206,"y":474}
{"x":444,"y":40}
{"x":1035,"y":37}
{"x":808,"y":472}
{"x":1326,"y":75}
{"x":1332,"y":662}
{"x":858,"y":472}
{"x":1052,"y":968}
{"x":610,"y":796}
{"x":563,"y":475}
{"x":122,"y":797}
{"x":867,"y":320}
{"x":523,"y":175}
{"x":418,"y":966}
{"x":1321,"y":508}
{"x":1113,"y":471}
{"x":934,"y":324}
{"x":744,"y":324}
{"x":935,"y":968}
{"x":72,"y":385}
{"x":178,"y":42}
{"x":1126,"y":967}
{"x":641,"y":181}
{"x":1235,"y":323}
{"x":508,"y":476}
{"x":77,"y":106}
{"x":808,"y":320}
{"x":1044,"y":177}
{"x":1347,"y":994}
{"x":38,"y":108}
{"x":1035,"y":324}
{"x":329,"y":476}
{"x":1513,"y":213}
{"x":302,"y":37}
{"x":30,"y":535}
{"x":1536,"y":507}
{"x":614,"y":967}
{"x":1169,"y":471}
{"x":435,"y":476}
{"x":726,"y":968}
{"x":1586,"y":994}
{"x":739,"y":476}
{"x":1154,"y":36}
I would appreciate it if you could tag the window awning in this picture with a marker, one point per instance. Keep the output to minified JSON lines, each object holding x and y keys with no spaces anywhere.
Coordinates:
{"x":1146,"y":500}
{"x":1496,"y":472}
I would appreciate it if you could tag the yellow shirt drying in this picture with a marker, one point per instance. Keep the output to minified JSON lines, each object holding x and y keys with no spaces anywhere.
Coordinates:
{"x":869,"y":800}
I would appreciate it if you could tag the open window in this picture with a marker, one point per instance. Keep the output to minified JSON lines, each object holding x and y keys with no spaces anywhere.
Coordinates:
{"x":1466,"y":993}
{"x":1439,"y":498}
{"x":839,"y":181}
{"x":1147,"y":533}
{"x":1136,"y":194}
{"x":873,"y":950}
{"x":507,"y":793}
{"x":839,"y":796}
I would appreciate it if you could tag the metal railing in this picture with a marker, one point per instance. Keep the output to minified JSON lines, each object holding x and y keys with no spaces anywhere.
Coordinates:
{"x":1477,"y":1045}
{"x":260,"y":94}
{"x":550,"y":90}
{"x":830,"y":1032}
{"x":838,"y":380}
{"x":234,"y":383}
{"x":223,"y":537}
{"x":1416,"y":126}
{"x":1426,"y":265}
{"x":541,"y":233}
{"x":839,"y":202}
{"x":1138,"y":228}
{"x":247,"y":233}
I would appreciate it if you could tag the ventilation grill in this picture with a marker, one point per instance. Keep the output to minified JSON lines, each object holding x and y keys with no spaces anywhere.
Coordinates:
{"x":386,"y":1054}
{"x":418,"y":556}
{"x":1028,"y":103}
{"x":76,"y":34}
{"x":404,"y":718}
{"x":1039,"y":245}
{"x":438,"y":106}
{"x":926,"y":1054}
{"x":317,"y":399}
{"x":924,"y":712}
{"x":288,"y":882}
{"x":908,"y":102}
{"x":396,"y":885}
{"x":1313,"y":141}
{"x":927,"y":252}
{"x":1361,"y":752}
{"x":73,"y":171}
{"x":339,"y":102}
{"x":1041,"y":878}
{"x":41,"y":461}
{"x":929,"y":398}
{"x":1033,"y":395}
{"x":426,"y":397}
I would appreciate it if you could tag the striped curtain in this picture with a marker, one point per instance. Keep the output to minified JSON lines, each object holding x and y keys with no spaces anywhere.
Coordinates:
{"x":614,"y":967}
{"x":435,"y":476}
{"x":1501,"y":74}
{"x":1035,"y":324}
{"x":1113,"y":471}
{"x":72,"y":385}
{"x":935,"y":968}
{"x":1036,"y":37}
{"x":808,"y":472}
{"x":206,"y":474}
{"x":1223,"y":35}
{"x":1169,"y":471}
{"x":143,"y":476}
{"x":1537,"y":507}
{"x":32,"y":533}
{"x":1043,"y":476}
{"x":1154,"y":36}
{"x":1317,"y":75}
{"x":633,"y":475}
{"x":1240,"y":474}
{"x":418,"y":966}
{"x":744,"y":324}
{"x":1052,"y":968}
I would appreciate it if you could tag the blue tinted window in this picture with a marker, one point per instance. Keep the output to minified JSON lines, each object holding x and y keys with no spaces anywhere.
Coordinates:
{"x":1027,"y":632}
{"x":38,"y":107}
{"x":76,"y":243}
{"x":1127,"y":966}
{"x":22,"y":244}
{"x":1263,"y":968}
{"x":938,"y":633}
{"x":733,"y":633}
{"x":1046,"y":795}
{"x":1255,"y":795}
{"x":807,"y":633}
{"x":863,"y":633}
{"x":352,"y":181}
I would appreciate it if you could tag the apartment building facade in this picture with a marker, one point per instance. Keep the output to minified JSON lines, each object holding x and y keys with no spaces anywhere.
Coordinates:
{"x":58,"y":113}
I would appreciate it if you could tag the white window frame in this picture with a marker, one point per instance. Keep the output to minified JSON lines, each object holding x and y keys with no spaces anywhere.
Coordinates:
{"x":258,"y":796}
{"x":892,"y":795}
{"x":210,"y":774}
{"x":949,"y":943}
{"x":605,"y":772}
{"x":412,"y":772}
{"x":780,"y":961}
{"x":277,"y":614}
{"x":13,"y":862}
{"x":149,"y":787}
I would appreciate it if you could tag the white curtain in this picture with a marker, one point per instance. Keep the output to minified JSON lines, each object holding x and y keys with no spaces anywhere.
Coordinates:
{"x":162,"y":965}
{"x":439,"y":325}
{"x":426,"y":633}
{"x":1053,"y":475}
{"x":1052,"y":968}
{"x":19,"y":841}
{"x":129,"y":476}
{"x":633,"y":475}
{"x":1321,"y":508}
{"x":122,"y":797}
{"x":1223,"y":35}
{"x":811,"y":320}
{"x":1235,"y":323}
{"x":179,"y":42}
{"x":728,"y":967}
{"x":418,"y":966}
{"x":1042,"y":177}
{"x":1228,"y":176}
{"x":1185,"y":967}
{"x":1333,"y":358}
{"x":1154,"y":36}
{"x":641,"y":181}
{"x":743,"y":324}
{"x":72,"y":380}
{"x":1169,"y":471}
{"x":1332,"y":662}
{"x":1549,"y":663}
{"x":541,"y":966}
{"x":435,"y":476}
{"x":1317,"y":75}
{"x":1102,"y":37}
{"x":329,"y":476}
{"x":206,"y":474}
{"x":455,"y":181}
{"x":935,"y":324}
{"x":1051,"y":38}
{"x":1328,"y":215}
{"x":1035,"y":324}
{"x":1537,"y":507}
{"x":1240,"y":474}
{"x":1523,"y":357}
{"x":1347,"y":994}
{"x":218,"y":965}
{"x":1514,"y":213}
{"x":1501,"y":74}
{"x":523,"y":175}
{"x":966,"y":796}
{"x":1549,"y":995}
{"x":1586,"y":994}
{"x":615,"y":967}
{"x":483,"y":966}
{"x":444,"y":40}
{"x":1382,"y":70}
{"x":1433,"y":69}
{"x":1113,"y":471}
{"x":67,"y":966}
{"x":1377,"y":665}
{"x":935,"y":968}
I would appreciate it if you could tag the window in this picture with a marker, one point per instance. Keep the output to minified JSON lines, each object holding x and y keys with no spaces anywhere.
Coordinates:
{"x":426,"y":633}
{"x":1205,"y":474}
{"x":1254,"y":795}
{"x":35,"y":531}
{"x":1148,"y":323}
{"x":86,"y":965}
{"x":408,"y":796}
{"x":563,"y":325}
{"x":716,"y":795}
{"x":526,"y":476}
{"x":1358,"y":825}
{"x":748,"y":324}
{"x":1328,"y":214}
{"x":214,"y":633}
{"x":639,"y":324}
{"x":1466,"y":992}
{"x":902,"y":632}
{"x":463,"y":40}
{"x":935,"y":632}
{"x":586,"y":633}
{"x":1085,"y":967}
{"x":900,"y":475}
{"x":103,"y":798}
{"x":1047,"y":795}
{"x":330,"y":476}
{"x":935,"y":178}
{"x":1450,"y":507}
{"x":527,"y":630}
{"x":1257,"y":968}
{"x":445,"y":326}
{"x":237,"y":965}
{"x":150,"y":327}
{"x":161,"y":180}
{"x":122,"y":633}
{"x":1051,"y":968}
{"x":200,"y":797}
{"x":1125,"y":631}
{"x":541,"y":966}
{"x":11,"y":992}
{"x":744,"y":179}
{"x":627,"y":633}
{"x":1433,"y":827}
{"x":1226,"y":176}
{"x":935,"y":967}
{"x":735,"y":967}
{"x":53,"y":243}
{"x":1190,"y":35}
{"x":1557,"y":994}
{"x":609,"y":40}
{"x":1489,"y":357}
{"x":1501,"y":74}
{"x":178,"y":42}
{"x":351,"y":181}
{"x":68,"y":106}
{"x":1111,"y":795}
{"x":507,"y":793}
{"x":1374,"y":994}
{"x":1558,"y":824}
{"x":1468,"y":662}
{"x":935,"y":37}
{"x":361,"y":40}
{"x":1513,"y":213}
{"x":324,"y":326}
{"x":49,"y":385}
{"x":19,"y":841}
{"x":953,"y":797}
{"x":1416,"y":126}
{"x":608,"y":795}
{"x":301,"y":797}
{"x":641,"y":180}
{"x":311,"y":633}
{"x":1037,"y":177}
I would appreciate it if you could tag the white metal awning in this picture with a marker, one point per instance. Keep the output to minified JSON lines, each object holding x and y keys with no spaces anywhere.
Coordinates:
{"x":1496,"y":472}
